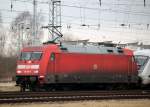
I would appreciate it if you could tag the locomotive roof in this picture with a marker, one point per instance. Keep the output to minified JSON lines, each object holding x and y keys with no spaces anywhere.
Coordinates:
{"x":91,"y":49}
{"x":145,"y":52}
{"x":80,"y":48}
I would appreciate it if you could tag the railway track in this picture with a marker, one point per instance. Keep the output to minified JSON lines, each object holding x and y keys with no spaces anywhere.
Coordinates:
{"x":22,"y":97}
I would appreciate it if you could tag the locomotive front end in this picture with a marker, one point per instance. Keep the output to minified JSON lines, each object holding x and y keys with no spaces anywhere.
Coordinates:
{"x":28,"y":68}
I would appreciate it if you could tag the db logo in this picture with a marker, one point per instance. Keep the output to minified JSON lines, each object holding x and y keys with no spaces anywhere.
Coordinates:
{"x":95,"y":67}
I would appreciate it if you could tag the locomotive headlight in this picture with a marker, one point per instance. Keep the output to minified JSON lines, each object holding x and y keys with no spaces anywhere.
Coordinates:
{"x":41,"y":76}
{"x":36,"y":71}
{"x":35,"y":66}
{"x":19,"y":72}
{"x":20,"y":66}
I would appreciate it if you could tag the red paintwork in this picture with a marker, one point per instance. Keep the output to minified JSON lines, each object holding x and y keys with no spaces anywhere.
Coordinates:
{"x":79,"y":62}
{"x":46,"y":49}
{"x":127,"y":51}
{"x":87,"y":63}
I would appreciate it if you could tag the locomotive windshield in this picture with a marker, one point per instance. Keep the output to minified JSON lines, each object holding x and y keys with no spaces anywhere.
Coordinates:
{"x":30,"y":55}
{"x":141,"y":61}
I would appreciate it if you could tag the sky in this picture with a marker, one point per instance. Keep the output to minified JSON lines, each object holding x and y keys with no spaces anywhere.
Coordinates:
{"x":121,"y":21}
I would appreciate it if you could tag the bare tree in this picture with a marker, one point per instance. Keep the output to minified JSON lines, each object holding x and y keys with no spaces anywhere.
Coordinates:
{"x":0,"y":20}
{"x":2,"y":36}
{"x":40,"y":20}
{"x":21,"y":29}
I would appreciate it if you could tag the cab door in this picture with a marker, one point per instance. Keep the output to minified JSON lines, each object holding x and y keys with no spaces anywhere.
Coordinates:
{"x":50,"y":77}
{"x":51,"y":64}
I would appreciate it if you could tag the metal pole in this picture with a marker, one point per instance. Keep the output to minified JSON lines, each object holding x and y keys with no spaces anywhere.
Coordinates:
{"x":19,"y":43}
{"x":53,"y":9}
{"x":22,"y":27}
{"x":34,"y":30}
{"x":55,"y":18}
{"x":100,"y":3}
{"x":144,"y":3}
{"x":60,"y":15}
{"x":50,"y":11}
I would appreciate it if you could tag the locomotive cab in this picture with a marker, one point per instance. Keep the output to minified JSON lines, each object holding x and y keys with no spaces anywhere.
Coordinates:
{"x":28,"y":67}
{"x":31,"y":65}
{"x":29,"y":60}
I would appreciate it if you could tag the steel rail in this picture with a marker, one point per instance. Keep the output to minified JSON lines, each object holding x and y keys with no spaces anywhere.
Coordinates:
{"x":19,"y":97}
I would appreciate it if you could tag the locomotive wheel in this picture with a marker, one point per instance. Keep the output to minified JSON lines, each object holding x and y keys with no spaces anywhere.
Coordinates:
{"x":33,"y":88}
{"x":22,"y":88}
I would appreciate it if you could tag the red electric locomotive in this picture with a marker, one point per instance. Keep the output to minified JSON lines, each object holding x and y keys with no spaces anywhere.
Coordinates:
{"x":52,"y":65}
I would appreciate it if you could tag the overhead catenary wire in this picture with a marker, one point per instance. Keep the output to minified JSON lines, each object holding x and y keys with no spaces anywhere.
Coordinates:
{"x":125,"y":12}
{"x":83,"y":17}
{"x":104,"y":3}
{"x":108,"y":27}
{"x":73,"y":17}
{"x":96,"y":9}
{"x":133,"y":23}
{"x":19,"y":11}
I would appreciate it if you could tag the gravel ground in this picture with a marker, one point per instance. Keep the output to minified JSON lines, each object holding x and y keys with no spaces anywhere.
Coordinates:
{"x":100,"y":103}
{"x":8,"y":86}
